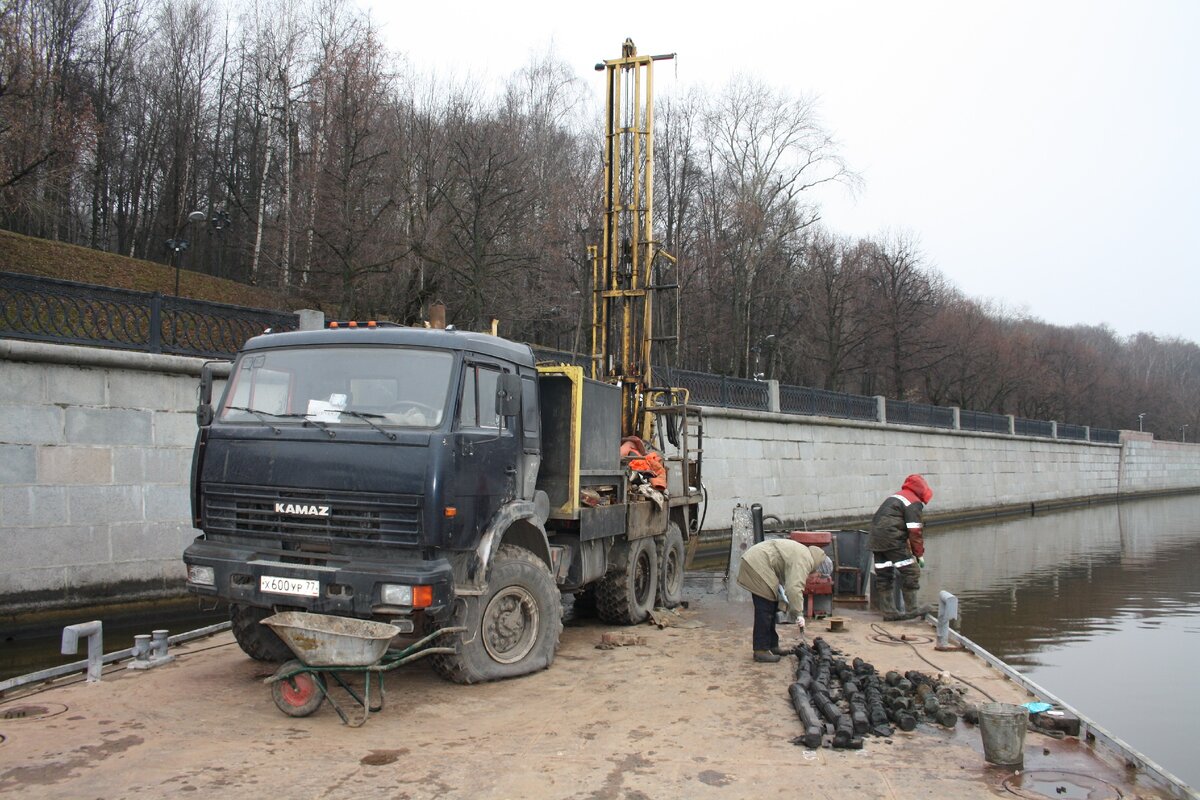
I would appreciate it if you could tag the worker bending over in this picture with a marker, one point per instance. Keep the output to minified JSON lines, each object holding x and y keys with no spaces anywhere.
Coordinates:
{"x":774,"y":572}
{"x":898,"y":544}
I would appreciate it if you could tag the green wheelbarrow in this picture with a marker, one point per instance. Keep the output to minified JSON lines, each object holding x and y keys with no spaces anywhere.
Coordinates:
{"x":330,"y":648}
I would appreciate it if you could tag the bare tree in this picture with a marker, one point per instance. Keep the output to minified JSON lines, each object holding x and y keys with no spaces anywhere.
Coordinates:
{"x":904,"y":297}
{"x":765,"y":150}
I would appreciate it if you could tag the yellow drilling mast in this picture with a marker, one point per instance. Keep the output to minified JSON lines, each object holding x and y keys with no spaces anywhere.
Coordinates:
{"x":624,"y":265}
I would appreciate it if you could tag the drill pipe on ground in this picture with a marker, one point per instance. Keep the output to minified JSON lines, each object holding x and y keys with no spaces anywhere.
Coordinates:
{"x":814,"y":729}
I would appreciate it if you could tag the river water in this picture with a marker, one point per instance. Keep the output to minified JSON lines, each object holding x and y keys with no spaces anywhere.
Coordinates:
{"x":1101,"y":606}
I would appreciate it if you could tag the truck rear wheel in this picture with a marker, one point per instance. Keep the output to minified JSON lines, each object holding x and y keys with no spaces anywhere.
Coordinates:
{"x":257,"y":640}
{"x":670,"y":567}
{"x":625,"y":595}
{"x":513,"y":628}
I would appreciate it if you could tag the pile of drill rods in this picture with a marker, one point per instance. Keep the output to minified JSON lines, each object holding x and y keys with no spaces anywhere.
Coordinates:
{"x":851,"y":699}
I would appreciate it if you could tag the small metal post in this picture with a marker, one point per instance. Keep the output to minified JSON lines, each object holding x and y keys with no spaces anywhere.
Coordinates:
{"x":947,"y":611}
{"x":94,"y":631}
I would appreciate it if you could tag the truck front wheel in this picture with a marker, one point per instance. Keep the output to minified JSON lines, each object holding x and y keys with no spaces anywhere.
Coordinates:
{"x":257,"y":640}
{"x":513,"y":628}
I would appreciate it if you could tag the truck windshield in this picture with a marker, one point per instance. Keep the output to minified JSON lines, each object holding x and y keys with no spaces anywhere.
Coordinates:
{"x":353,"y":386}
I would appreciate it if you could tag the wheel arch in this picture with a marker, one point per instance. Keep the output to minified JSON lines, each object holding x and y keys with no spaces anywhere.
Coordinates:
{"x":516,"y":523}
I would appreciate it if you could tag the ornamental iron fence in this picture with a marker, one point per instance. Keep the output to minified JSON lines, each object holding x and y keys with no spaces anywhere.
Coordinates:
{"x":1078,"y":432}
{"x":1033,"y":427}
{"x":905,"y":413}
{"x":824,"y":403}
{"x":51,"y":310}
{"x":706,"y":389}
{"x":982,"y":421}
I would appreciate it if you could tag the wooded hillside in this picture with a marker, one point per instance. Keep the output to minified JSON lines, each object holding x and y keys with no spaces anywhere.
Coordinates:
{"x":325,"y":167}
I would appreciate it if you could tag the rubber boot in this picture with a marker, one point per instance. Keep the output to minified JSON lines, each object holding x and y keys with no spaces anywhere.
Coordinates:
{"x":765,"y":656}
{"x":887,"y":604}
{"x":910,"y":603}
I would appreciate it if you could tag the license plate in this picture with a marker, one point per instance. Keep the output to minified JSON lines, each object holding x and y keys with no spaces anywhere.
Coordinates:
{"x":298,"y":587}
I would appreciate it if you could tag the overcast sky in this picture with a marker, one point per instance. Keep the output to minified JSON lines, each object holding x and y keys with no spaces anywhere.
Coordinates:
{"x":1046,"y":154}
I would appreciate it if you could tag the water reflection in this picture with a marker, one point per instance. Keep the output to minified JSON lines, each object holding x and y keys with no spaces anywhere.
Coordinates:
{"x":1100,"y":605}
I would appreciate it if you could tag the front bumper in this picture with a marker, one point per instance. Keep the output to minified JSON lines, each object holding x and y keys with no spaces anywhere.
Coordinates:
{"x":348,"y":586}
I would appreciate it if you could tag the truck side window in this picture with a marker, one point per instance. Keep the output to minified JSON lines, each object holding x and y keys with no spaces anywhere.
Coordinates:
{"x":478,"y":408}
{"x":487,"y":380}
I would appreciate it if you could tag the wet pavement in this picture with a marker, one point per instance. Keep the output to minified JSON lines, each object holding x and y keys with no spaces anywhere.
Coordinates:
{"x":685,"y":713}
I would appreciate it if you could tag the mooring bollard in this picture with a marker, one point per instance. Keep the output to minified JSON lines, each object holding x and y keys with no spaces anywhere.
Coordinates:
{"x":158,"y":644}
{"x":94,"y":632}
{"x":150,"y":650}
{"x":141,"y":652}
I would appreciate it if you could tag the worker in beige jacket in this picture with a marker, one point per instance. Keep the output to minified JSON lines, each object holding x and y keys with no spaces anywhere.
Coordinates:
{"x":774,"y":572}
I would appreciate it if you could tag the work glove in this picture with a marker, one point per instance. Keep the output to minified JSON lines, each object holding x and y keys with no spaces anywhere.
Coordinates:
{"x":921,"y":562}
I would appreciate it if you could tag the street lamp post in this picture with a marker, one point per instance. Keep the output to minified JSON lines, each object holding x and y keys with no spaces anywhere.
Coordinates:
{"x":1140,"y":418}
{"x":219,"y":222}
{"x":176,"y":246}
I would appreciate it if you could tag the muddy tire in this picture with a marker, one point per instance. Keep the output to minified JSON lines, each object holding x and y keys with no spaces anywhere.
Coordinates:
{"x":670,"y":567}
{"x":513,"y":628}
{"x":257,"y":640}
{"x":299,"y":695}
{"x":625,"y":595}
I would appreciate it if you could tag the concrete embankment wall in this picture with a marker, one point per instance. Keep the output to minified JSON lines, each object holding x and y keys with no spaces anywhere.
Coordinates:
{"x":95,"y":451}
{"x":821,"y":471}
{"x":95,"y":454}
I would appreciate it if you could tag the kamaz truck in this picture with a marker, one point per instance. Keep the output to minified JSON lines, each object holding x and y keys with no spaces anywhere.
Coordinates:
{"x":438,"y":478}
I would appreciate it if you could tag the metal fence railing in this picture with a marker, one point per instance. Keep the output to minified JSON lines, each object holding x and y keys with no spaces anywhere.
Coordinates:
{"x":720,"y":390}
{"x":46,"y":309}
{"x":1066,"y":431}
{"x":1033,"y":427}
{"x":982,"y":421}
{"x":905,"y":413}
{"x":49,"y":310}
{"x":822,"y":402}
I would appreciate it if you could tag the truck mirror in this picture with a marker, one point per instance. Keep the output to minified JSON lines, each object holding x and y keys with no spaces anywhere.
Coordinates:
{"x":508,"y":395}
{"x":204,"y":409}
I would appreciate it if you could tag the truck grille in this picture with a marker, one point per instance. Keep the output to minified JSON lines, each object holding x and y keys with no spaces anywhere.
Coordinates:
{"x":252,"y":512}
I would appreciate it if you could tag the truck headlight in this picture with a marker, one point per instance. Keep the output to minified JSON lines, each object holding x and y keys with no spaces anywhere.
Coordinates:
{"x":203,"y":576}
{"x":399,"y":594}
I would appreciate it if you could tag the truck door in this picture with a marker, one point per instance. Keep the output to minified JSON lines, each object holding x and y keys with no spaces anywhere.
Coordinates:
{"x":486,"y":462}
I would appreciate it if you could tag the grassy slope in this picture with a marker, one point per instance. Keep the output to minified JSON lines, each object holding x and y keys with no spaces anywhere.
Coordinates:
{"x":30,"y":256}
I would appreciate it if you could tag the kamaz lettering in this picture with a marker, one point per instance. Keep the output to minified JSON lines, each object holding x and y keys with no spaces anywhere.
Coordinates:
{"x":302,"y":510}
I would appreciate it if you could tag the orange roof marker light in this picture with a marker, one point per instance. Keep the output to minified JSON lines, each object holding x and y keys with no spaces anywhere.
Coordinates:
{"x":370,"y":323}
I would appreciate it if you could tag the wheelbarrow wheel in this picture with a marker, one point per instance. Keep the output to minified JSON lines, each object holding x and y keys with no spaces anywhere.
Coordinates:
{"x":299,"y":695}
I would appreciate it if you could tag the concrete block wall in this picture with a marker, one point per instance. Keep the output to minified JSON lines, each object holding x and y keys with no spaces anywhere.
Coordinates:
{"x":815,"y":469}
{"x":95,"y":453}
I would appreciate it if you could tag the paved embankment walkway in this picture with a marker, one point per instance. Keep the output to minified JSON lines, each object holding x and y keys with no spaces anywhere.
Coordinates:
{"x":686,"y":714}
